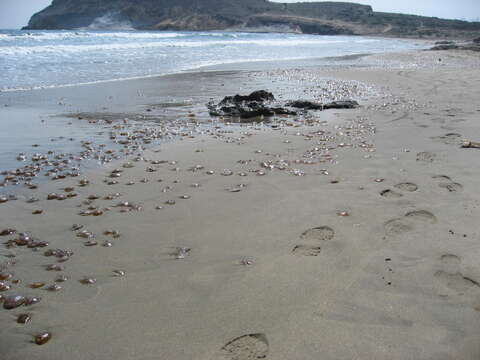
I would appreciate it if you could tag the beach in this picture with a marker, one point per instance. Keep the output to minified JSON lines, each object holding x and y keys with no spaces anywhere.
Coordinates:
{"x":337,"y":234}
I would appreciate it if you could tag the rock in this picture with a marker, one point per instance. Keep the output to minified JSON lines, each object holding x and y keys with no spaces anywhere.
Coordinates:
{"x":23,"y":318}
{"x":471,"y":145}
{"x":43,"y":338}
{"x":446,"y":42}
{"x":283,"y":111}
{"x":345,"y":104}
{"x":14,"y":301}
{"x":306,"y":105}
{"x":445,"y":47}
{"x":259,"y":96}
{"x":473,"y":46}
{"x":255,"y":105}
{"x":261,"y":103}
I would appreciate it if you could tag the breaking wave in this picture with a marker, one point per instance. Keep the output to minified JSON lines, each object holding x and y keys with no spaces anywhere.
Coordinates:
{"x":31,"y":59}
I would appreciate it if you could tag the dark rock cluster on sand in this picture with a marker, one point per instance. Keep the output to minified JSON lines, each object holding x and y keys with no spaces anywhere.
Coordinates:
{"x":262,"y":103}
{"x":258,"y":103}
{"x":474,"y":45}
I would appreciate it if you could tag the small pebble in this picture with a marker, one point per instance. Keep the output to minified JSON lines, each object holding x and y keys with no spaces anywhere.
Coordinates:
{"x":14,"y":301}
{"x":4,"y":286}
{"x":61,"y":278}
{"x":182,"y":252}
{"x":23,"y":318}
{"x":88,"y":281}
{"x":54,"y":287}
{"x":118,"y":273}
{"x":43,"y":338}
{"x":37,"y":285}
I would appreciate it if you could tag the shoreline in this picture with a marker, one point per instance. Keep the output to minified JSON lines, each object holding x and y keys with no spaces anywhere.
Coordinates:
{"x":58,"y":104}
{"x":233,"y":63}
{"x":343,"y":233}
{"x":195,"y":70}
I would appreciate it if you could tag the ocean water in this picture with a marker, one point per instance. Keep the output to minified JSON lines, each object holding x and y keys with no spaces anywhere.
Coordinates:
{"x":36,"y":59}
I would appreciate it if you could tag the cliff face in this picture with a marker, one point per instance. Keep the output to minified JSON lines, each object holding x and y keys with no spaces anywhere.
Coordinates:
{"x":248,"y":15}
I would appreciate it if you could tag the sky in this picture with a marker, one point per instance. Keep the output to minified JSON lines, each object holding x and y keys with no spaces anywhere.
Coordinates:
{"x":15,"y":13}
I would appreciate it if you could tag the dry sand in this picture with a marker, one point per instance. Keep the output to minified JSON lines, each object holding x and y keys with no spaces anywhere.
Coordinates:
{"x":398,"y":278}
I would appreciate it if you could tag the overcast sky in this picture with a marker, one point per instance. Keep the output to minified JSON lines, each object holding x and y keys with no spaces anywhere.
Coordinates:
{"x":15,"y":13}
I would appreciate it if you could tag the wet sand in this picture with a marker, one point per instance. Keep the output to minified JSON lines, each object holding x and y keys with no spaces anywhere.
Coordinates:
{"x":349,"y":234}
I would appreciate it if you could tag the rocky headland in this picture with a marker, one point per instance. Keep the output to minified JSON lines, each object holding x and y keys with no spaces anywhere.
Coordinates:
{"x":326,"y":18}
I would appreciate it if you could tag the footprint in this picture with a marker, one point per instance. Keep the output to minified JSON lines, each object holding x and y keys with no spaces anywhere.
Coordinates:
{"x":410,"y":187}
{"x":247,"y":347}
{"x":397,"y":227}
{"x":456,"y":281}
{"x":306,"y":250}
{"x":390,"y":194}
{"x":426,"y":157}
{"x":450,"y":259}
{"x":422,"y":215}
{"x":448,"y":184}
{"x":442,"y":177}
{"x":315,"y":235}
{"x":322,"y":233}
{"x":402,"y":225}
{"x":449,"y":139}
{"x":451,"y":186}
{"x":451,"y":277}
